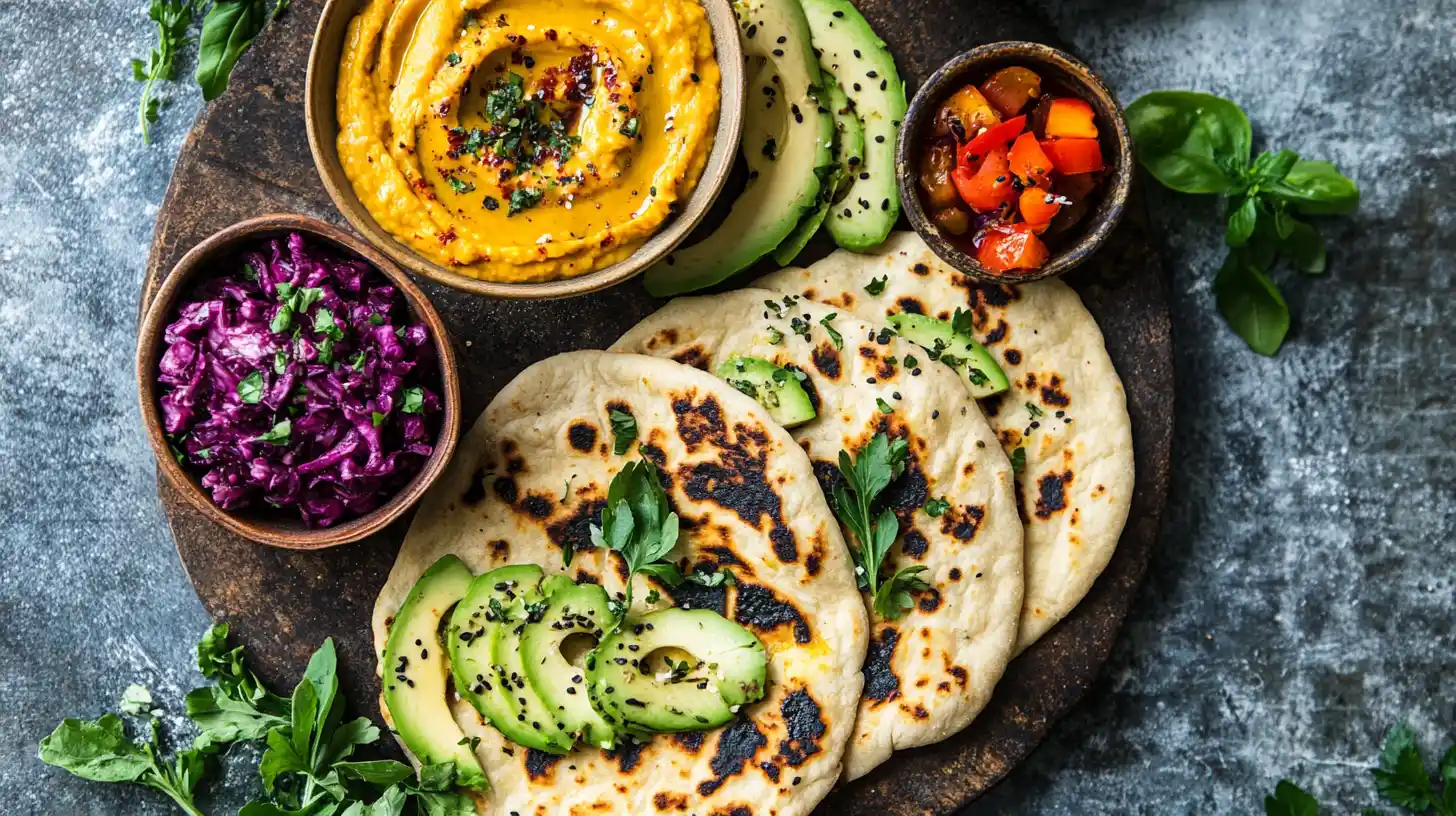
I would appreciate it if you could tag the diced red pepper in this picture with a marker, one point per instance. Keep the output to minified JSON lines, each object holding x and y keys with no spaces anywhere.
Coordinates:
{"x":1070,"y":118}
{"x":994,"y":136}
{"x":1029,"y":162}
{"x":1011,"y":246}
{"x":1073,"y":156}
{"x":1038,"y":207}
{"x":988,"y":187}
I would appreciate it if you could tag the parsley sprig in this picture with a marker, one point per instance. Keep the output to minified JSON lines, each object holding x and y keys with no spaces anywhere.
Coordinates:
{"x":1402,"y":780}
{"x":306,"y":767}
{"x":638,"y":523}
{"x":865,"y":477}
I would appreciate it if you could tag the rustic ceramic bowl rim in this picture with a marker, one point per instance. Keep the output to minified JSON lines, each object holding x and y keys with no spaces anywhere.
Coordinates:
{"x":322,"y":137}
{"x":196,"y":264}
{"x":1116,"y":186}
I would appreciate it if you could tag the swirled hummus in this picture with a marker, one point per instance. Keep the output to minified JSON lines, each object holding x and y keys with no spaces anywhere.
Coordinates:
{"x":526,"y":140}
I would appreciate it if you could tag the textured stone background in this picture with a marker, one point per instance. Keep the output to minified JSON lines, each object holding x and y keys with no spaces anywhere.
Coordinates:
{"x":1303,"y":597}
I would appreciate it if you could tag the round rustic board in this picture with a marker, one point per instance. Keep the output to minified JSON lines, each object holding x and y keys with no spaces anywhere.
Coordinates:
{"x":248,"y":155}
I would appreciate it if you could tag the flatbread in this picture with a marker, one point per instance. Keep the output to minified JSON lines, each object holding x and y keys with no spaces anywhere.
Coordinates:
{"x":931,"y":671}
{"x":749,"y":503}
{"x":1077,"y":482}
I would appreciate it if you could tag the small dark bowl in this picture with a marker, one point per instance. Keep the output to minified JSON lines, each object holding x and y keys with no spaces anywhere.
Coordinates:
{"x":1059,"y":69}
{"x":260,"y":525}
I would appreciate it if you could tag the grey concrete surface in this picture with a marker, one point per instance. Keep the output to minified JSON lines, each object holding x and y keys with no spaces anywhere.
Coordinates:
{"x":1302,"y":599}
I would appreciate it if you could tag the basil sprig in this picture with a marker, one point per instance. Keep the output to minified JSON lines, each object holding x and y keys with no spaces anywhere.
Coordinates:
{"x":1201,"y":144}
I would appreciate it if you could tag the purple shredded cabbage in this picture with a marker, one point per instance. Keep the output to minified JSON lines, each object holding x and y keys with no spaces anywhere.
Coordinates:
{"x":299,"y":382}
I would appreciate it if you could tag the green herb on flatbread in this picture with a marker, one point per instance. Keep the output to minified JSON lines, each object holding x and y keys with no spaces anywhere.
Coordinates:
{"x":865,"y":477}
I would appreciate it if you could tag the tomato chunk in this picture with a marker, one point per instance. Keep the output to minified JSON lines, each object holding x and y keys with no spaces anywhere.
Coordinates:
{"x":1070,"y":118}
{"x":1029,"y":162}
{"x":993,"y":137}
{"x":1038,"y":208}
{"x":1074,"y":156}
{"x":1011,"y":246}
{"x":1011,"y":89}
{"x":988,"y":188}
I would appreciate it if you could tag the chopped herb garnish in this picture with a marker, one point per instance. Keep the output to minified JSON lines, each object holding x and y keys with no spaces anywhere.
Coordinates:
{"x":883,"y":406}
{"x":877,"y":285}
{"x":935,"y":508}
{"x":279,"y":435}
{"x":834,"y":335}
{"x":414,"y":401}
{"x":377,"y":418}
{"x":1036,"y":412}
{"x":865,"y":478}
{"x":775,"y":336}
{"x":1018,"y":460}
{"x":453,"y":59}
{"x":524,"y":198}
{"x":460,"y":187}
{"x":632,"y":127}
{"x":250,"y":388}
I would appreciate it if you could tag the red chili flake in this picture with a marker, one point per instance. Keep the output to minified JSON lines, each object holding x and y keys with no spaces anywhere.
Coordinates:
{"x":609,"y":240}
{"x":447,"y":236}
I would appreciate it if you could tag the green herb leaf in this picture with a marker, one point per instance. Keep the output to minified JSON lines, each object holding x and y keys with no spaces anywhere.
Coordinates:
{"x":1270,"y":167}
{"x":1304,"y":247}
{"x":1317,"y":188}
{"x":863,"y":479}
{"x":227,"y":31}
{"x":283,"y":320}
{"x":1251,"y":304}
{"x":136,"y":700}
{"x":100,"y":751}
{"x":1289,"y":800}
{"x":172,"y":19}
{"x":452,"y":59}
{"x":279,"y":435}
{"x":524,"y":198}
{"x":1190,"y":142}
{"x":637,"y":521}
{"x":250,"y":388}
{"x":1018,"y":460}
{"x":624,"y":430}
{"x":414,"y":401}
{"x":632,"y":127}
{"x":893,"y":598}
{"x":1241,"y":222}
{"x":460,"y":187}
{"x":876,"y":286}
{"x":935,"y":508}
{"x":1401,"y":777}
{"x":280,"y":362}
{"x":884,"y":407}
{"x":377,"y":418}
{"x":775,"y":336}
{"x":323,"y":323}
{"x":834,"y":335}
{"x":665,"y":572}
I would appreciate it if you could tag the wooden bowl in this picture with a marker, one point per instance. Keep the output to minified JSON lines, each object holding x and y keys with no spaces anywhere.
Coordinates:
{"x":320,"y":112}
{"x":974,"y":66}
{"x":259,"y":525}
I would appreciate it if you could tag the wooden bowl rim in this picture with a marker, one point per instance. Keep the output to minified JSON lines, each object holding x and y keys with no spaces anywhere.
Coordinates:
{"x":320,"y":87}
{"x":1117,"y":185}
{"x":149,"y":341}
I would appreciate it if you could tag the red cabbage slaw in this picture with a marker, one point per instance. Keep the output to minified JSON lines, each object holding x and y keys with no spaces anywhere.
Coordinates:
{"x":298,"y":381}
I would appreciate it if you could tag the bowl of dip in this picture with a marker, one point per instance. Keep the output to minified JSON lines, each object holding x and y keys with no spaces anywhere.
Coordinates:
{"x":528,"y":148}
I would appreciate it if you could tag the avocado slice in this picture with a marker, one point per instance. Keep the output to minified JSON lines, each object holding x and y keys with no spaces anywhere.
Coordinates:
{"x":570,"y":609}
{"x":776,"y":389}
{"x":716,"y":666}
{"x":787,"y":135}
{"x":414,"y":673}
{"x":478,"y":678}
{"x":550,"y":732}
{"x":851,"y":51}
{"x":834,"y":179}
{"x":957,"y":349}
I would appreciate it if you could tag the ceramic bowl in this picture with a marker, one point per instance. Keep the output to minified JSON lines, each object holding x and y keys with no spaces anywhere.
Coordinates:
{"x":1057,"y":68}
{"x":323,"y":128}
{"x":262,"y":525}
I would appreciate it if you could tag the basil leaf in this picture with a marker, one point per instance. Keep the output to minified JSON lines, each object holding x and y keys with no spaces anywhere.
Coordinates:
{"x":1251,"y":304}
{"x":227,"y":31}
{"x":98,"y":751}
{"x":1241,"y":223}
{"x":377,"y":418}
{"x":935,"y":508}
{"x":1190,"y":142}
{"x":250,"y":388}
{"x":324,"y":323}
{"x":283,"y":320}
{"x":1270,"y":167}
{"x":1317,"y":188}
{"x":667,"y":573}
{"x":1289,"y":800}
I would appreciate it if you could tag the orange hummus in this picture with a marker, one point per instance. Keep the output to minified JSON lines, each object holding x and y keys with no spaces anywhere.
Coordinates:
{"x":526,"y":140}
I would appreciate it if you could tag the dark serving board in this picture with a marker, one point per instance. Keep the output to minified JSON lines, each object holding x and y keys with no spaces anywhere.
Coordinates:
{"x":248,"y":155}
